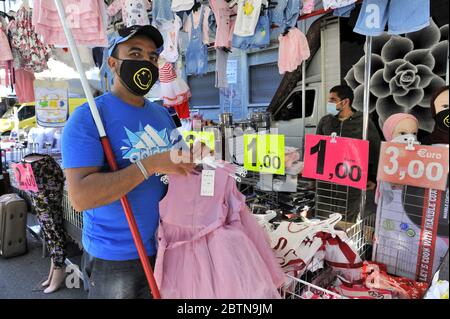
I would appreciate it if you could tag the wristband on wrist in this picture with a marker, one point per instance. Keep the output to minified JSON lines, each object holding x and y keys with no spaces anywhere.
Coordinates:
{"x":143,"y":170}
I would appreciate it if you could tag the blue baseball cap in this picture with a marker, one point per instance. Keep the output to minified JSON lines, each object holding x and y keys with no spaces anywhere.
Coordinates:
{"x":127,"y":33}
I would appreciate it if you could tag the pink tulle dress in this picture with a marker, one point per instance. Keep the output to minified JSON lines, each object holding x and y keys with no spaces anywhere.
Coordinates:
{"x":212,"y":247}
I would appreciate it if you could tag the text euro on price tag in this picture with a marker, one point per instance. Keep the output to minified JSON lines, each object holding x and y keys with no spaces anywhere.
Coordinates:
{"x":339,"y":160}
{"x":207,"y":138}
{"x":424,"y":166}
{"x":264,"y":153}
{"x":25,"y":178}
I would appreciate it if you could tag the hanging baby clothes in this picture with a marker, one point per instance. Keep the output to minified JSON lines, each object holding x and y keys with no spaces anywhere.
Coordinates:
{"x":106,"y":74}
{"x":197,"y":51}
{"x":24,"y":86}
{"x":259,"y":40}
{"x":162,"y":12}
{"x":174,"y":91}
{"x":170,"y":32}
{"x":247,"y":17}
{"x":402,"y":16}
{"x":285,"y":14}
{"x":221,"y":68}
{"x":294,"y":49}
{"x":86,"y":18}
{"x":334,"y":4}
{"x":308,"y":6}
{"x":225,"y":24}
{"x":134,"y":12}
{"x":344,"y":12}
{"x":211,"y":246}
{"x":182,"y":5}
{"x":34,"y":54}
{"x":65,"y":56}
{"x":6,"y":56}
{"x":195,"y":20}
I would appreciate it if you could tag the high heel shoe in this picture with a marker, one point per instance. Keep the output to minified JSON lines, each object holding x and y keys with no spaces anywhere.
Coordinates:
{"x":58,"y":277}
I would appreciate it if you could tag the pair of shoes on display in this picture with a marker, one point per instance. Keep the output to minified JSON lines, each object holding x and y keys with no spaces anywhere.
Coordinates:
{"x":55,"y":279}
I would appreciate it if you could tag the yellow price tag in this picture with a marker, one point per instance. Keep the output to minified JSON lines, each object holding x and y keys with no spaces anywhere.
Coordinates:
{"x":206,"y":137}
{"x":264,"y":153}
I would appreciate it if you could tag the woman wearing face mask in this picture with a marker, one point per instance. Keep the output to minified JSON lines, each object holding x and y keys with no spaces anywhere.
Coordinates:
{"x":440,"y":112}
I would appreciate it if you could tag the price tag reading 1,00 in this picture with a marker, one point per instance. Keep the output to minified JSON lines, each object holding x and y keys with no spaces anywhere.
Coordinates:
{"x":342,"y":161}
{"x":423,"y":166}
{"x":264,"y":153}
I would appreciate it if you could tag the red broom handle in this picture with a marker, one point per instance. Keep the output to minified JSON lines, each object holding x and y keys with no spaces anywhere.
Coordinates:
{"x":132,"y":223}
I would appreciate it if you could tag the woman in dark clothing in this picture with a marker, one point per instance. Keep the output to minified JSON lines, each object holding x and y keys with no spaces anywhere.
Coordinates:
{"x":439,"y":109}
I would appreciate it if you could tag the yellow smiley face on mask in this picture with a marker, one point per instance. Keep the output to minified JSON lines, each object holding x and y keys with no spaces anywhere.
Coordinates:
{"x":143,"y":78}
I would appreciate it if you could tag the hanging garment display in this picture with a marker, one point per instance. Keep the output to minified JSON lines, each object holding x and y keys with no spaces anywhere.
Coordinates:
{"x":308,"y":6}
{"x":24,"y":86}
{"x":65,"y":56}
{"x":48,"y":204}
{"x":225,"y":24}
{"x":198,"y":18}
{"x":197,"y":51}
{"x":201,"y":236}
{"x":33,"y":53}
{"x":86,"y":18}
{"x":6,"y":55}
{"x":286,"y":12}
{"x":174,"y":91}
{"x":162,"y":12}
{"x":335,"y":4}
{"x":221,"y":68}
{"x":402,"y":16}
{"x":294,"y":49}
{"x":182,"y":5}
{"x":259,"y":40}
{"x":247,"y":17}
{"x":52,"y":103}
{"x":134,"y":12}
{"x":170,"y":32}
{"x":344,"y":12}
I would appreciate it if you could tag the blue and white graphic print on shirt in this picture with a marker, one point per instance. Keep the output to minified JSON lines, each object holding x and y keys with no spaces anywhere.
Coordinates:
{"x":134,"y":133}
{"x":144,"y":143}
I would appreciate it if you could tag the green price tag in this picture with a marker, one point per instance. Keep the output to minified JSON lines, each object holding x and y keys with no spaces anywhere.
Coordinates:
{"x":264,"y":153}
{"x":206,"y":137}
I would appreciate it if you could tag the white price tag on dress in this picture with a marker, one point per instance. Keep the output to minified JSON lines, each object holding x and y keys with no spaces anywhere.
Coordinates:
{"x":207,"y":188}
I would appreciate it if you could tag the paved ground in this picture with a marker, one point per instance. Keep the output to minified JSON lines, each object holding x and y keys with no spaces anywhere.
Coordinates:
{"x":20,"y":276}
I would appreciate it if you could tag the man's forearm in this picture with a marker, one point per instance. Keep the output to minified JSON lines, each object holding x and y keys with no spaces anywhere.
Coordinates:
{"x":99,"y":189}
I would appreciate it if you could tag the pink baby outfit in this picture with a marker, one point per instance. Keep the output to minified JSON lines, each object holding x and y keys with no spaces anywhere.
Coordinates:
{"x":134,"y":12}
{"x":294,"y":49}
{"x":212,"y":247}
{"x":225,"y":24}
{"x":86,"y":19}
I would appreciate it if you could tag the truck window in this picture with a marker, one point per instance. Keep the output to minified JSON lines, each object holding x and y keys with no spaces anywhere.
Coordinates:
{"x":204,"y":92}
{"x":292,"y":109}
{"x":26,"y":112}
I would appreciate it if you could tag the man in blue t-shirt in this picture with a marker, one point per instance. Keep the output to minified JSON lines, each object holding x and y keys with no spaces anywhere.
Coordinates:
{"x":141,"y":136}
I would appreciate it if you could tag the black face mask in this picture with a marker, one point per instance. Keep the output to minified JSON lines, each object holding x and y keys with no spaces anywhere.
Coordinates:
{"x":442,"y":119}
{"x":138,"y":76}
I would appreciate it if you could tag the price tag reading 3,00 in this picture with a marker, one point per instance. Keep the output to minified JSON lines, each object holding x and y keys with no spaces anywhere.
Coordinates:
{"x":264,"y":153}
{"x":425,"y":166}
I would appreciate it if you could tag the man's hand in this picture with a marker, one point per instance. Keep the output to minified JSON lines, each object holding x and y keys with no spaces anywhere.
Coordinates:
{"x":200,"y":151}
{"x":172,"y":162}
